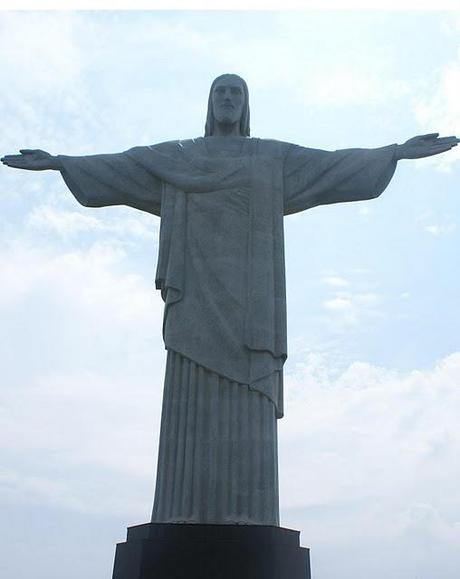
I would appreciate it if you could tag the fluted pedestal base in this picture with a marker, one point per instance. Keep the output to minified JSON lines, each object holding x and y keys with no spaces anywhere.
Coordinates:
{"x":176,"y":551}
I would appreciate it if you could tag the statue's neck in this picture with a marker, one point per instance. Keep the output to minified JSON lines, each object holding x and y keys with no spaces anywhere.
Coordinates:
{"x":218,"y":144}
{"x":226,"y":130}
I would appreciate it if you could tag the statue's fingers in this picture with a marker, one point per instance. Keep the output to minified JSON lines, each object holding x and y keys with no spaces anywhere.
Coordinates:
{"x":430,"y":136}
{"x":447,"y":140}
{"x":30,"y":151}
{"x":18,"y":161}
{"x":444,"y":146}
{"x":15,"y":163}
{"x":437,"y":150}
{"x":449,"y":144}
{"x":12,"y":158}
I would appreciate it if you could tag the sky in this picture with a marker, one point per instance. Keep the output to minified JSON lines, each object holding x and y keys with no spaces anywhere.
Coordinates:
{"x":369,"y":445}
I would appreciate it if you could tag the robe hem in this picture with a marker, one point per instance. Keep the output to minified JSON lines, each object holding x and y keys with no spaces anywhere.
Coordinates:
{"x":251,"y":385}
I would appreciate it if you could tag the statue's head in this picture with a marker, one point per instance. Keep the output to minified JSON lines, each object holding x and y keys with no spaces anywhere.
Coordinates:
{"x":228,"y":103}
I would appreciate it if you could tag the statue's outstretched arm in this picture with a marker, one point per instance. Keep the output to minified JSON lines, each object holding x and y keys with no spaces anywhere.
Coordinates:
{"x":32,"y":160}
{"x":425,"y":146}
{"x":314,"y":177}
{"x":98,"y":180}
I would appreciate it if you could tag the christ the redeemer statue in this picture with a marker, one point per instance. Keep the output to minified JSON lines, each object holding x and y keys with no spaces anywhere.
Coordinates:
{"x":221,"y":200}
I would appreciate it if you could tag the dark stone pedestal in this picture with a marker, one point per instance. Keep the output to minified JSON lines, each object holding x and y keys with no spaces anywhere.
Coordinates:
{"x":173,"y":551}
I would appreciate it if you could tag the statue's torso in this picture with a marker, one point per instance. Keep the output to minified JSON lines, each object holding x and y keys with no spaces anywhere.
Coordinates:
{"x":233,"y":285}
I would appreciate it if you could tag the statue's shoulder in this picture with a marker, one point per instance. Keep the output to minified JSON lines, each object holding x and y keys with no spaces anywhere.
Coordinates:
{"x":180,"y":145}
{"x":142,"y":151}
{"x":165,"y":146}
{"x":254,"y":146}
{"x":273,"y":147}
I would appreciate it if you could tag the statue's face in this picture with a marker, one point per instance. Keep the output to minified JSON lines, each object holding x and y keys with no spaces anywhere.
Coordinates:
{"x":228,"y":100}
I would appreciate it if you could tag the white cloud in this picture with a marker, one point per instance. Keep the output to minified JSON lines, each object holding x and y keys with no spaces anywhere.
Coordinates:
{"x":49,"y":62}
{"x":436,"y":224}
{"x":49,"y":103}
{"x":338,"y":303}
{"x":351,"y":308}
{"x":69,"y":438}
{"x":364,"y":210}
{"x":438,"y":229}
{"x":368,"y":458}
{"x":86,"y":280}
{"x":353,"y":83}
{"x":68,"y":224}
{"x":439,"y":111}
{"x":46,"y":97}
{"x":335,"y":281}
{"x":244,"y":5}
{"x":82,"y":363}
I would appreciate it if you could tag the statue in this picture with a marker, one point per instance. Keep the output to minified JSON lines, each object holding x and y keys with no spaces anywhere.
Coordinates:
{"x":221,"y":199}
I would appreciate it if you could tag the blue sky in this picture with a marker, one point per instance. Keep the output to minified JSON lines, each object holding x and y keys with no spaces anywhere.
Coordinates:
{"x":369,"y":445}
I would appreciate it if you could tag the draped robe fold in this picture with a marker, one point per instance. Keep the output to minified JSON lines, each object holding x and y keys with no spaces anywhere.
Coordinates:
{"x":221,"y":258}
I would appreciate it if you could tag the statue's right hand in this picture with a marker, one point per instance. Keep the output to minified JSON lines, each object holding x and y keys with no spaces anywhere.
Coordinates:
{"x":31,"y":159}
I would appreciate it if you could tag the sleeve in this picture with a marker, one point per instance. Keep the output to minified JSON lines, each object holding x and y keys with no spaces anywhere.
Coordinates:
{"x":314,"y":177}
{"x":114,"y":179}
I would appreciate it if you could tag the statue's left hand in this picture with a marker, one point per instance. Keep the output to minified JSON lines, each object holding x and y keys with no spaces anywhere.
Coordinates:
{"x":425,"y":146}
{"x":32,"y":160}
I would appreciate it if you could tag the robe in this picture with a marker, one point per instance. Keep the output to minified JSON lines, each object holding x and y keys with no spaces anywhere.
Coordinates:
{"x":221,"y":274}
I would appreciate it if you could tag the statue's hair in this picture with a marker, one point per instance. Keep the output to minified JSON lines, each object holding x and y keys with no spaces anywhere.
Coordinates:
{"x":244,"y":122}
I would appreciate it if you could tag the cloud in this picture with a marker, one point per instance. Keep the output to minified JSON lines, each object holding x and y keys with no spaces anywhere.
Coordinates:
{"x":82,"y":364}
{"x":360,"y":417}
{"x":81,"y":279}
{"x":439,"y":111}
{"x":352,"y":308}
{"x":48,"y":62}
{"x":67,"y":439}
{"x":338,"y":303}
{"x":364,"y":210}
{"x":368,"y":458}
{"x":335,"y":281}
{"x":344,"y":76}
{"x":437,"y":229}
{"x":435,"y":224}
{"x":359,"y":83}
{"x":47,"y":97}
{"x":69,"y":224}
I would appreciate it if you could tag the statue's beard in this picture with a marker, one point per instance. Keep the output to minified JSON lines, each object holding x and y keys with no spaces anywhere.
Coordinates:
{"x":227,"y":120}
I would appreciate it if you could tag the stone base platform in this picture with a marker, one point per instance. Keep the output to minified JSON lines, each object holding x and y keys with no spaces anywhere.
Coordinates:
{"x":187,"y":551}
